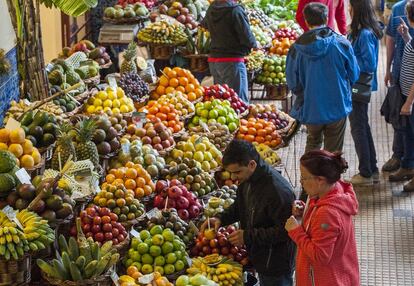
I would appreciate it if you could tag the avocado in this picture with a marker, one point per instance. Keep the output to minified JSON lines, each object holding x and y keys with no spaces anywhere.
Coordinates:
{"x":31,"y":138}
{"x":54,"y":202}
{"x":26,"y":129}
{"x":12,"y":198}
{"x":49,"y":128}
{"x":40,"y":118}
{"x":21,"y":204}
{"x":65,"y":211}
{"x":69,"y":200}
{"x":48,"y":139}
{"x":39,"y":206}
{"x":27,"y":118}
{"x":70,"y":106}
{"x":49,"y":215}
{"x":26,"y":191}
{"x":36,"y":131}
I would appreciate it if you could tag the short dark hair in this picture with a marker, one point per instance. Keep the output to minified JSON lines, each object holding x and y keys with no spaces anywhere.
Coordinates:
{"x":409,"y":8}
{"x":239,"y":152}
{"x":316,"y":14}
{"x":325,"y":164}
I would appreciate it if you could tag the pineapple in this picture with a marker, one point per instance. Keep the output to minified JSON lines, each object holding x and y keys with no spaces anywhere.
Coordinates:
{"x":86,"y":149}
{"x":64,"y":146}
{"x":129,"y":64}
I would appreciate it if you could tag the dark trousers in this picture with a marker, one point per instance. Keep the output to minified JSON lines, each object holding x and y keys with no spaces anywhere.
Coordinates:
{"x":361,"y":134}
{"x":332,"y":136}
{"x":284,"y":280}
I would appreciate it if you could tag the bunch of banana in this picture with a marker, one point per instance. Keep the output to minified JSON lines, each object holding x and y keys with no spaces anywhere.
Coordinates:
{"x":78,"y":262}
{"x":15,"y":242}
{"x":267,"y":153}
{"x":17,"y":109}
{"x":221,"y":270}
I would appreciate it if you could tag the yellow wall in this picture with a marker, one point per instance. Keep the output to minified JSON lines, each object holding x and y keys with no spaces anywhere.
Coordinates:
{"x":51,"y":32}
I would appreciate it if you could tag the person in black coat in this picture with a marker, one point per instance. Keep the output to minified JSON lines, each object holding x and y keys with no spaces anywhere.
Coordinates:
{"x":263,"y":204}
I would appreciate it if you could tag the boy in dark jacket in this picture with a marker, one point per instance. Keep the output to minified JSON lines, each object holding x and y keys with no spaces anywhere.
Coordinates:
{"x":264,"y":201}
{"x":231,"y":40}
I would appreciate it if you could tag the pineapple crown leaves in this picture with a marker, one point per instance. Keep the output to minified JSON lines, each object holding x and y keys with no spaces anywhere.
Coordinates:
{"x":130,"y":52}
{"x":63,"y":133}
{"x":86,"y":129}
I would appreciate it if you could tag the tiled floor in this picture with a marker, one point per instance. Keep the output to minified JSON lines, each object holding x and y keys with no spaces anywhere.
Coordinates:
{"x":384,"y":226}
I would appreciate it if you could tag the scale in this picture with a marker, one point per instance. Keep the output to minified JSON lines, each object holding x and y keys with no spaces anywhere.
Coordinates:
{"x":117,"y":34}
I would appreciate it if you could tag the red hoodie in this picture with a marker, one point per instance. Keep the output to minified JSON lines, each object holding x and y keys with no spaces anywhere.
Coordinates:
{"x":327,"y":254}
{"x":336,"y":13}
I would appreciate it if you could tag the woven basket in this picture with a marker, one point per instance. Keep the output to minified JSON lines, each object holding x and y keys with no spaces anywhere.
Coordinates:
{"x":198,"y":63}
{"x":103,"y":280}
{"x":279,"y":92}
{"x":16,"y":272}
{"x":162,"y":52}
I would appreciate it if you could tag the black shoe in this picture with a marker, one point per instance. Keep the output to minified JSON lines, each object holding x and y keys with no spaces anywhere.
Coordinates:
{"x":391,"y":165}
{"x":402,"y":175}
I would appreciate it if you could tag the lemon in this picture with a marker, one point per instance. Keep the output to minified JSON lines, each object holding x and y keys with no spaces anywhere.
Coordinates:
{"x":123,"y":100}
{"x":102,"y":95}
{"x":111,"y":95}
{"x":115,"y":110}
{"x":98,"y":109}
{"x":124,"y":109}
{"x":116,"y":103}
{"x":90,"y":100}
{"x":106,"y":109}
{"x":97,"y":102}
{"x":90,"y":109}
{"x":130,"y":107}
{"x":120,"y":92}
{"x":107,"y":103}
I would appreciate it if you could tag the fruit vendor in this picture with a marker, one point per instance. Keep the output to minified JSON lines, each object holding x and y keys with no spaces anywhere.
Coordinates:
{"x":263,"y":204}
{"x":231,"y":41}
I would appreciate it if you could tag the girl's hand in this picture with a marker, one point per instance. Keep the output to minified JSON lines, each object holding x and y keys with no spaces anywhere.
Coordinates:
{"x":291,"y":223}
{"x":406,"y":109}
{"x":403,"y":30}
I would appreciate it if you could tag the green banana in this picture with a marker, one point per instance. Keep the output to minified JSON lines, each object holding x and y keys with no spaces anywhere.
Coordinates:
{"x":75,"y":272}
{"x":73,"y":249}
{"x":48,"y":269}
{"x":63,"y":245}
{"x":90,"y":269}
{"x":60,"y":269}
{"x":81,"y":262}
{"x":66,"y":261}
{"x":101,"y":267}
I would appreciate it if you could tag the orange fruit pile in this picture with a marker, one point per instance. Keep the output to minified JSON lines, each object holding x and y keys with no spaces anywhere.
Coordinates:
{"x":281,"y":47}
{"x":178,"y":79}
{"x":260,"y":131}
{"x":166,"y":113}
{"x":133,"y":177}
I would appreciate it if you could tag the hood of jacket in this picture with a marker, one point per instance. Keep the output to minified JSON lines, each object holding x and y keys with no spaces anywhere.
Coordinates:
{"x":342,"y":197}
{"x":221,"y":9}
{"x":315,"y":43}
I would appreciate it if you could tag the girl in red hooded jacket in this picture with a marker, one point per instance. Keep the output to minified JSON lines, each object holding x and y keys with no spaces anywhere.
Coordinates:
{"x":327,"y":254}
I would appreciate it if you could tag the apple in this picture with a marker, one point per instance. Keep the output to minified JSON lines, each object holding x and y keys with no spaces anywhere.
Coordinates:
{"x":182,"y":203}
{"x":175,"y":192}
{"x":194,"y":211}
{"x":161,"y":185}
{"x":183,"y":214}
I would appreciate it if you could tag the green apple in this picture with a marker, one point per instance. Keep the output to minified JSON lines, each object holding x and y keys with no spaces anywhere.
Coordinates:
{"x":169,"y":269}
{"x":207,"y":156}
{"x":129,"y":262}
{"x":159,"y":269}
{"x":135,"y":256}
{"x":199,"y":111}
{"x":179,"y":265}
{"x":183,"y":280}
{"x":147,"y":259}
{"x":147,"y":269}
{"x":144,"y":234}
{"x":155,"y":250}
{"x":143,"y":248}
{"x":138,"y":265}
{"x":213,"y":114}
{"x":204,"y":114}
{"x":222,"y":120}
{"x":159,"y":261}
{"x":198,"y":156}
{"x":171,"y":258}
{"x":157,"y":239}
{"x":167,"y":247}
{"x":168,"y":234}
{"x":156,"y":229}
{"x":134,"y":242}
{"x":232,"y":127}
{"x":212,"y":120}
{"x":195,"y":119}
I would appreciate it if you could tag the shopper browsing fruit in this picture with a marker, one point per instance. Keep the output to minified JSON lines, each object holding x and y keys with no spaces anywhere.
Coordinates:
{"x":231,"y":41}
{"x":262,"y":206}
{"x":320,"y":69}
{"x":327,"y":254}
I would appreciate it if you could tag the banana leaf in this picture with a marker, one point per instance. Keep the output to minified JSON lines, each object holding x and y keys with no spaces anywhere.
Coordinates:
{"x":72,"y":8}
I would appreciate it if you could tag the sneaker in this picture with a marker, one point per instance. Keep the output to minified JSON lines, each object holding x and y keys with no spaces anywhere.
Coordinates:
{"x":391,"y":165}
{"x":359,"y":180}
{"x":409,"y":187}
{"x":376,"y":177}
{"x":401,"y":175}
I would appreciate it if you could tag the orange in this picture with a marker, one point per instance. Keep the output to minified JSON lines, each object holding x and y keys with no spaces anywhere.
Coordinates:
{"x":129,"y":164}
{"x":169,"y":89}
{"x":17,"y":135}
{"x":177,"y":128}
{"x":120,"y":202}
{"x":112,"y":171}
{"x":268,"y":130}
{"x":259,"y":139}
{"x":191,"y":96}
{"x":16,"y":149}
{"x":119,"y":173}
{"x":140,"y":182}
{"x":161,"y":116}
{"x":4,"y":135}
{"x":243,"y":122}
{"x":179,"y":71}
{"x":139,"y":192}
{"x":165,"y":109}
{"x":27,"y":161}
{"x":147,"y":190}
{"x":131,"y":173}
{"x":183,"y":80}
{"x":153,"y":110}
{"x":251,"y":131}
{"x":268,"y":138}
{"x":174,"y":82}
{"x":118,"y":182}
{"x":164,"y":81}
{"x":189,"y":87}
{"x":110,"y":178}
{"x":160,"y":90}
{"x":131,"y":270}
{"x":172,"y":116}
{"x":147,"y":178}
{"x":180,"y":89}
{"x":258,"y":126}
{"x":172,"y":74}
{"x":249,"y":138}
{"x":130,"y":184}
{"x":199,"y":92}
{"x":243,"y":129}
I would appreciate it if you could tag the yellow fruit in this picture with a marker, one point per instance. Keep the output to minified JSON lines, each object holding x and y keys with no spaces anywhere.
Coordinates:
{"x":120,"y":93}
{"x":124,"y":100}
{"x":4,"y":135}
{"x":107,"y":103}
{"x":111,"y":95}
{"x":97,"y":102}
{"x":98,"y":109}
{"x":116,"y":103}
{"x":36,"y":156}
{"x":130,"y":107}
{"x":90,"y":109}
{"x":27,"y":161}
{"x":27,"y":146}
{"x":3,"y":146}
{"x":106,"y":109}
{"x":102,"y":95}
{"x":116,"y":110}
{"x":124,"y":109}
{"x":17,"y":136}
{"x":16,"y":149}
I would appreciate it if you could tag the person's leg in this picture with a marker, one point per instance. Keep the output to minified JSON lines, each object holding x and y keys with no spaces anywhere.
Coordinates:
{"x":214,"y":72}
{"x":398,"y":151}
{"x":242,"y":88}
{"x":406,"y":170}
{"x":284,"y":280}
{"x":314,"y":138}
{"x":334,"y":134}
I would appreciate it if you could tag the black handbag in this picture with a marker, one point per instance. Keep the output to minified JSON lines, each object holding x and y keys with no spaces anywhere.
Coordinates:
{"x":361,"y":90}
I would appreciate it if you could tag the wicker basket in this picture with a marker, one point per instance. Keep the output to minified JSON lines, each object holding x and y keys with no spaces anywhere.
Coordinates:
{"x":103,"y":280}
{"x":279,"y":92}
{"x":47,"y":152}
{"x":16,"y":272}
{"x":122,"y":248}
{"x":123,"y":21}
{"x":36,"y":170}
{"x":198,"y":63}
{"x":162,"y":52}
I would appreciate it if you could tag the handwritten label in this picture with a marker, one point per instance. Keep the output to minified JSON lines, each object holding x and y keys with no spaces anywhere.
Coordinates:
{"x":23,"y":176}
{"x":198,"y":140}
{"x":146,"y":279}
{"x":11,"y":214}
{"x":193,"y":227}
{"x":98,"y":189}
{"x":153,"y":213}
{"x":112,"y":83}
{"x":115,"y":278}
{"x":134,"y":233}
{"x":12,"y":124}
{"x":125,"y":148}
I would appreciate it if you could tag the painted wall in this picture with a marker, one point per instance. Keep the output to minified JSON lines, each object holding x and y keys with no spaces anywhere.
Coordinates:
{"x":51,"y":32}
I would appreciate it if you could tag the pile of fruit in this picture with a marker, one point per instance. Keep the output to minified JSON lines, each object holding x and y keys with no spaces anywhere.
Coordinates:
{"x":262,"y":35}
{"x":35,"y":235}
{"x":198,"y":148}
{"x":40,"y":128}
{"x":183,"y":106}
{"x":216,"y":111}
{"x":80,"y":260}
{"x":98,"y":54}
{"x":227,"y":192}
{"x":191,"y":176}
{"x":224,"y":92}
{"x":66,"y":102}
{"x":223,"y":178}
{"x":180,"y":13}
{"x":286,"y":32}
{"x":157,"y":250}
{"x":273,"y":72}
{"x":53,"y":203}
{"x":148,"y":3}
{"x":255,"y":60}
{"x":270,"y":112}
{"x":105,"y":135}
{"x":166,"y":113}
{"x":154,"y":133}
{"x":105,"y":100}
{"x":221,"y":270}
{"x":101,"y":224}
{"x":201,"y":43}
{"x":281,"y":46}
{"x":163,"y":33}
{"x":216,"y":133}
{"x":120,"y":201}
{"x":267,"y":153}
{"x":134,"y":178}
{"x":134,"y":86}
{"x":178,"y":79}
{"x":127,"y":11}
{"x":15,"y":142}
{"x":133,"y":278}
{"x":216,"y":205}
{"x":63,"y":71}
{"x":260,"y":131}
{"x":257,"y":15}
{"x":18,"y":109}
{"x":175,"y":195}
{"x":195,"y":280}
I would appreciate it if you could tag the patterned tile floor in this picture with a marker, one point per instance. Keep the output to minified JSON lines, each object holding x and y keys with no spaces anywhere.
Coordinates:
{"x":384,"y":226}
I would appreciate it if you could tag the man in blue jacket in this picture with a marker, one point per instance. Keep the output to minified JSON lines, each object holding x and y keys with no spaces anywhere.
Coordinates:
{"x":320,"y":69}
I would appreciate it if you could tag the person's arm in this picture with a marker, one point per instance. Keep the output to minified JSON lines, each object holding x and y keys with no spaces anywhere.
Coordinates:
{"x":299,"y":14}
{"x":407,"y":107}
{"x":292,"y":77}
{"x":340,"y":17}
{"x":366,"y":45}
{"x":319,"y":244}
{"x":351,"y":64}
{"x":390,"y":47}
{"x":243,"y":30}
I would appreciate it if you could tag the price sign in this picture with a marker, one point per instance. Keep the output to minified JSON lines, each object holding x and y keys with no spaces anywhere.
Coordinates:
{"x":146,"y":279}
{"x":112,"y":83}
{"x":11,"y":214}
{"x":98,"y":189}
{"x":189,"y":261}
{"x":139,"y":118}
{"x":153,"y":213}
{"x":204,"y":126}
{"x":134,"y":233}
{"x":23,"y":176}
{"x":125,"y":148}
{"x":115,"y":278}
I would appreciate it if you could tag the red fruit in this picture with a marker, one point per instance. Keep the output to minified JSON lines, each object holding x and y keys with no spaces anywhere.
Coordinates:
{"x":96,"y":228}
{"x":115,"y":241}
{"x":87,"y":219}
{"x":86,"y":228}
{"x":97,"y":220}
{"x":113,"y":217}
{"x":194,"y":251}
{"x":91,"y":211}
{"x":83,"y":214}
{"x":104,"y":211}
{"x":225,"y":250}
{"x":234,"y":250}
{"x":73,"y":231}
{"x":222,"y":241}
{"x":238,"y":257}
{"x":161,"y":185}
{"x":199,"y":245}
{"x":205,"y":241}
{"x":231,"y":229}
{"x":115,"y":232}
{"x":99,"y":236}
{"x":214,"y":243}
{"x":175,"y":182}
{"x":106,"y":219}
{"x":215,"y":250}
{"x":207,"y":250}
{"x":89,"y":234}
{"x":121,"y":238}
{"x":107,"y":227}
{"x":108,"y":236}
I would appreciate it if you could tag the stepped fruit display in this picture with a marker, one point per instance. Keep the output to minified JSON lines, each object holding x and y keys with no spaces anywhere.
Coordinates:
{"x":255,"y":60}
{"x":102,"y":225}
{"x":54,"y":204}
{"x":15,"y":242}
{"x":133,"y":85}
{"x":217,"y":205}
{"x":257,"y":15}
{"x":173,"y":194}
{"x":40,"y":128}
{"x":8,"y":169}
{"x":80,"y":259}
{"x":64,"y":147}
{"x":133,"y":177}
{"x":200,"y":149}
{"x":218,"y":91}
{"x":105,"y":100}
{"x":183,"y":106}
{"x":15,"y":142}
{"x":215,"y":111}
{"x":163,"y":33}
{"x":105,"y":136}
{"x":154,"y":133}
{"x":260,"y":131}
{"x":273,"y":72}
{"x":166,"y":113}
{"x":170,"y":219}
{"x":178,"y":79}
{"x":281,"y":46}
{"x":216,"y":133}
{"x":126,"y":11}
{"x":266,"y":153}
{"x":158,"y":250}
{"x":191,"y":176}
{"x":181,"y":13}
{"x":85,"y":148}
{"x":270,"y":112}
{"x":221,"y":270}
{"x":133,"y":278}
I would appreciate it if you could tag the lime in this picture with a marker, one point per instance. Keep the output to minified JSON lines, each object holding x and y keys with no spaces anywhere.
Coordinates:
{"x":147,"y":259}
{"x":179,"y":265}
{"x":144,"y":234}
{"x":169,"y":269}
{"x":157,"y":239}
{"x":146,"y":269}
{"x":143,"y":248}
{"x":155,"y":250}
{"x":167,"y":247}
{"x":160,"y":261}
{"x":168,"y":234}
{"x":157,"y":229}
{"x":171,"y":258}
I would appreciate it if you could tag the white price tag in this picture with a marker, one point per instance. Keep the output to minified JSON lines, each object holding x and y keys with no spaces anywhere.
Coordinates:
{"x":12,"y":124}
{"x":115,"y":278}
{"x":11,"y":214}
{"x":23,"y":176}
{"x":146,"y":279}
{"x":154,"y":213}
{"x":134,"y":233}
{"x":125,"y":148}
{"x":193,"y":227}
{"x":189,"y":261}
{"x":98,"y":189}
{"x":205,"y":127}
{"x":112,"y":83}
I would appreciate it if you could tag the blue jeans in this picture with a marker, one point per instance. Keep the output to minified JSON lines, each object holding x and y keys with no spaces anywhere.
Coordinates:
{"x":361,"y":134}
{"x":398,"y":144}
{"x":232,"y":74}
{"x":284,"y":280}
{"x":408,"y":158}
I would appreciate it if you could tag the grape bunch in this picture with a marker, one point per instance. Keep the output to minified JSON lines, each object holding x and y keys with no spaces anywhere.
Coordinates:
{"x":134,"y":86}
